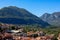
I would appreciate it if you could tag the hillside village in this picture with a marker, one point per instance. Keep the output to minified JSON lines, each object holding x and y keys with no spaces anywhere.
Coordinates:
{"x":19,"y":34}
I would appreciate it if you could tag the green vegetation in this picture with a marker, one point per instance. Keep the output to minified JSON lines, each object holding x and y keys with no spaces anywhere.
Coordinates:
{"x":31,"y":28}
{"x":12,"y":27}
{"x":50,"y":30}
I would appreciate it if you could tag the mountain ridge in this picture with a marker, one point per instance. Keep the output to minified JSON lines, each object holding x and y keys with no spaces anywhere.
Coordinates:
{"x":53,"y":19}
{"x":17,"y":15}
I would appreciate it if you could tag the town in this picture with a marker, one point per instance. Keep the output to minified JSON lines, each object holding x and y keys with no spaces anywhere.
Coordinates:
{"x":6,"y":33}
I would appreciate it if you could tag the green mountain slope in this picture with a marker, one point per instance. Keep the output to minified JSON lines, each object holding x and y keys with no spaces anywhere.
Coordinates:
{"x":15,"y":15}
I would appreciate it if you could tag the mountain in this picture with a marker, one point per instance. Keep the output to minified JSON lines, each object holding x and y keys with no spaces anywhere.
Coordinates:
{"x":53,"y":19}
{"x":15,"y":15}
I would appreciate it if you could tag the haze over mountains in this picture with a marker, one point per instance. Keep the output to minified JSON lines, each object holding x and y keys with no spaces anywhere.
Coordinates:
{"x":53,"y":19}
{"x":15,"y":15}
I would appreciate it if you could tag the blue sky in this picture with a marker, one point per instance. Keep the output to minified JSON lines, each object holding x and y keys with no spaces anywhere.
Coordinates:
{"x":36,"y":7}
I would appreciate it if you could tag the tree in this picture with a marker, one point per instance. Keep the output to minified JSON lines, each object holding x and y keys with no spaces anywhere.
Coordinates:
{"x":12,"y":27}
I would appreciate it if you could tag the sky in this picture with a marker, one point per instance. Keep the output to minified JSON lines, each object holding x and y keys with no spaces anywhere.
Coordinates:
{"x":36,"y":7}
